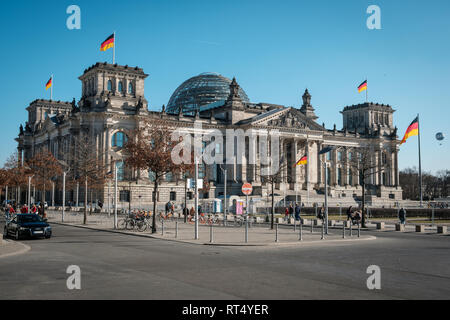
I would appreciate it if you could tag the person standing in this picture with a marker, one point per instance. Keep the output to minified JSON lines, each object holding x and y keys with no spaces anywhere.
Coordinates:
{"x":321,"y":214}
{"x":402,"y":215}
{"x":286,"y":214}
{"x":291,"y":211}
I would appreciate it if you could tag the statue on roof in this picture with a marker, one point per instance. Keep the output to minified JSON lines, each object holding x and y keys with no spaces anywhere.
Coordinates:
{"x":139,"y":104}
{"x":21,"y":129}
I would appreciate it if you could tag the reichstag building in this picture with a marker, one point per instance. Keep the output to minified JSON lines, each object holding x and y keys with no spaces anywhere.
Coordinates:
{"x":113,"y":103}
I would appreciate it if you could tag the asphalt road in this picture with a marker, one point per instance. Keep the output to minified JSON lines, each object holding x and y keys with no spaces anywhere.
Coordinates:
{"x":115,"y":266}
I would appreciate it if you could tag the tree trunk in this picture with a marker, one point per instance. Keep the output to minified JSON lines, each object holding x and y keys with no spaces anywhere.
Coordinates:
{"x":85,"y":201}
{"x":155,"y":198}
{"x":363,"y":213}
{"x":273,"y":207}
{"x":90,"y":207}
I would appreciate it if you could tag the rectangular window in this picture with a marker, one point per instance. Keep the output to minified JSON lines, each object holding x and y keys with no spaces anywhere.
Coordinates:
{"x":339,"y":155}
{"x":173,"y":196}
{"x":124,"y":196}
{"x":190,"y":196}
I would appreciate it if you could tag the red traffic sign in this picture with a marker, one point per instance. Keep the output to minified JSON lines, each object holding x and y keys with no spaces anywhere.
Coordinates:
{"x":247,"y":189}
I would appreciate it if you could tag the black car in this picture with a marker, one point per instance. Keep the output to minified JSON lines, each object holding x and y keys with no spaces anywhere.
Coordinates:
{"x":27,"y":225}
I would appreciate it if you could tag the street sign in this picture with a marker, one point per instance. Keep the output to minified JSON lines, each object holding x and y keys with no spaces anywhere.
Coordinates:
{"x":247,"y":189}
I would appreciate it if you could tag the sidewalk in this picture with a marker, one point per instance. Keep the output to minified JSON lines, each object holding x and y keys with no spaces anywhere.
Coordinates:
{"x":258,"y":235}
{"x":10,"y":247}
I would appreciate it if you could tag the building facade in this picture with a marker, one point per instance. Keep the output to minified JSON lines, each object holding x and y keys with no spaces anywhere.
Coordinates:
{"x":113,"y":104}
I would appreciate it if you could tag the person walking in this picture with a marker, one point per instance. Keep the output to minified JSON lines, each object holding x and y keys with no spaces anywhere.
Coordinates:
{"x":286,"y":214}
{"x":297,"y":212}
{"x":349,"y":212}
{"x":402,"y":215}
{"x":291,"y":211}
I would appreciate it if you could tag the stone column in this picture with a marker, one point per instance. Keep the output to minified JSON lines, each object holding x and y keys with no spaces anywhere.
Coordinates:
{"x":258,"y":162}
{"x":397,"y":176}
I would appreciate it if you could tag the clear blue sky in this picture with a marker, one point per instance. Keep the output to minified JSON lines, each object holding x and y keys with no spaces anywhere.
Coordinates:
{"x":274,"y":48}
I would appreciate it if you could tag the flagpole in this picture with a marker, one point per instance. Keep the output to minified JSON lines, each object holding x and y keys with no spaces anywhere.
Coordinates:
{"x":51,"y":89}
{"x":114,"y":48}
{"x":367,"y":90}
{"x":420,"y":162}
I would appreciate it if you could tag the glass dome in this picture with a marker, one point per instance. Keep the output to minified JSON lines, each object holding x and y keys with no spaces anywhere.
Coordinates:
{"x":201,"y":90}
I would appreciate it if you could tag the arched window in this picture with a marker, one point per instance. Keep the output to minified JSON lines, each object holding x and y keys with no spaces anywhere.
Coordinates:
{"x":120,"y":86}
{"x":130,"y":88}
{"x":119,"y":139}
{"x":169,"y":177}
{"x":109,"y":85}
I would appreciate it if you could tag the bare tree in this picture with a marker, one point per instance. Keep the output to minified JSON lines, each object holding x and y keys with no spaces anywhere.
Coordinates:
{"x":87,"y":166}
{"x":272,"y":178}
{"x":15,"y":174}
{"x":44,"y":166}
{"x":150,"y":148}
{"x":365,"y":165}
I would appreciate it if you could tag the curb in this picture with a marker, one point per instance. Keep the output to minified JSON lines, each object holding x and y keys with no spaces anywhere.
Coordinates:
{"x":24,"y":249}
{"x":271,"y":244}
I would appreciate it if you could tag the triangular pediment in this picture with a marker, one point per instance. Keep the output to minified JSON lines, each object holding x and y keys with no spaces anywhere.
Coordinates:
{"x":286,"y":118}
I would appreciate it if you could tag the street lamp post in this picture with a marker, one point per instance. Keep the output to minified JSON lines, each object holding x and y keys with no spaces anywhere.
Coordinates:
{"x":326,"y":198}
{"x":115,"y":195}
{"x":64,"y":195}
{"x":196,"y":199}
{"x":109,"y":200}
{"x":29,"y":192}
{"x":224,"y":196}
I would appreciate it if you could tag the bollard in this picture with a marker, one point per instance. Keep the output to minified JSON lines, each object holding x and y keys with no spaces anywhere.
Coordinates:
{"x":323,"y":229}
{"x":246,"y":229}
{"x":176,"y":229}
{"x":276,"y":233}
{"x":211,"y":233}
{"x":359,"y":229}
{"x":343,"y":229}
{"x":162,"y":227}
{"x":351,"y":223}
{"x":301,"y":232}
{"x":312,"y":225}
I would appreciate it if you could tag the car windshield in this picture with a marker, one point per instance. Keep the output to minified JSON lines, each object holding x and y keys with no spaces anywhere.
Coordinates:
{"x":29,"y":218}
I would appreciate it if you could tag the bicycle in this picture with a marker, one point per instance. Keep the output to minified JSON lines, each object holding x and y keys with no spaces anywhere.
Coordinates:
{"x":165,"y":216}
{"x":201,"y":219}
{"x":212,"y":219}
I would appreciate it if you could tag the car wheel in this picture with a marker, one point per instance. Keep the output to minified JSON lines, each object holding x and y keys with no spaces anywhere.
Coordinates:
{"x":17,"y":235}
{"x":5,"y":234}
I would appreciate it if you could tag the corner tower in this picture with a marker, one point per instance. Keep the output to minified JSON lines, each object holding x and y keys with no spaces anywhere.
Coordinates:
{"x":110,"y":87}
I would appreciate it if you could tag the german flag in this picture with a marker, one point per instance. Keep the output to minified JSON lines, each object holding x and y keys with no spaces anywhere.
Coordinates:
{"x":413,"y":130}
{"x":362,"y":86}
{"x":303,"y":160}
{"x":108,"y":43}
{"x":49,"y":83}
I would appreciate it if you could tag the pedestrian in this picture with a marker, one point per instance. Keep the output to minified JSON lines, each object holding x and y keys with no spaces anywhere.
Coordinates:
{"x":286,"y":213}
{"x":185,"y":213}
{"x":297,"y":212}
{"x":349,"y":212}
{"x":33,"y":209}
{"x":24,"y":209}
{"x":291,"y":211}
{"x":321,"y":214}
{"x":402,"y":215}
